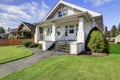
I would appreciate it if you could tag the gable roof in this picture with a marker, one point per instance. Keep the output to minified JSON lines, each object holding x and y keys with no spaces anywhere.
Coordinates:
{"x":94,"y":14}
{"x":29,"y":25}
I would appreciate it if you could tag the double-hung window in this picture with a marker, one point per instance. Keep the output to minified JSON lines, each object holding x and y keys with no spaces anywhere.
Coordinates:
{"x":60,"y":14}
{"x":58,"y":31}
{"x":65,"y":12}
{"x":49,"y":31}
{"x":71,"y":29}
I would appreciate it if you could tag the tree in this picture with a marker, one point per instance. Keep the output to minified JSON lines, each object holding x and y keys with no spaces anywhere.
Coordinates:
{"x":97,"y":42}
{"x":118,"y":30}
{"x":2,"y":30}
{"x":113,"y":31}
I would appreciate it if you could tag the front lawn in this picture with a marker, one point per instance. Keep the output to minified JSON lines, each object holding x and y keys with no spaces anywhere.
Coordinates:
{"x":73,"y":68}
{"x":10,"y":53}
{"x":114,"y":48}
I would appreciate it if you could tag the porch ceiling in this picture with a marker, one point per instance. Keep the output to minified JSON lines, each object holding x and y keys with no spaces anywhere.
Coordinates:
{"x":69,"y":19}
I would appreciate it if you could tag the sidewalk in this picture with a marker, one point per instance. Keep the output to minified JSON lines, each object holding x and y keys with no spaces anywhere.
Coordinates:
{"x":39,"y":55}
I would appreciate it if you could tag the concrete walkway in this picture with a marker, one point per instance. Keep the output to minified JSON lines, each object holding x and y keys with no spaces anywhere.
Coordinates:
{"x":39,"y":55}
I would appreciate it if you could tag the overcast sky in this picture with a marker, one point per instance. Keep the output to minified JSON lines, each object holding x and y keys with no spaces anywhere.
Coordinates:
{"x":13,"y":12}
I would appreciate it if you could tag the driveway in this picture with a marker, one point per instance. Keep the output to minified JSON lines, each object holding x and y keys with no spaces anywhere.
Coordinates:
{"x":39,"y":55}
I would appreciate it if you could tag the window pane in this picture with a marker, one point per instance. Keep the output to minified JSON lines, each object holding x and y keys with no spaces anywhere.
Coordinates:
{"x":60,"y":14}
{"x":58,"y":30}
{"x":65,"y":12}
{"x":71,"y":29}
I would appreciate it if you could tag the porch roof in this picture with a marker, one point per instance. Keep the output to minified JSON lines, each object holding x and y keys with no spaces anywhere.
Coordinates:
{"x":85,"y":15}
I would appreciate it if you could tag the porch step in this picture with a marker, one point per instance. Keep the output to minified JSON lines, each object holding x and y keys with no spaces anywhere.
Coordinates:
{"x":62,"y":46}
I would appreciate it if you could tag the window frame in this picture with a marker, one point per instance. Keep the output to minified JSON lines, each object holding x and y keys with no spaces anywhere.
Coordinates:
{"x":71,"y":29}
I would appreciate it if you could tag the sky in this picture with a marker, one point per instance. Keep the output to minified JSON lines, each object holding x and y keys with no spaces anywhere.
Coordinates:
{"x":14,"y":12}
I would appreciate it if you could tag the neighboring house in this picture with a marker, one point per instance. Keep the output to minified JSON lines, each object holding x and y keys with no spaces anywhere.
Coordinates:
{"x":66,"y":27}
{"x":117,"y":39}
{"x":26,"y":30}
{"x":12,"y":33}
{"x":112,"y":39}
{"x":4,"y":36}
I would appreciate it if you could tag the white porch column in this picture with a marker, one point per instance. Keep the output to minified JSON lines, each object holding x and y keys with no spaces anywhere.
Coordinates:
{"x":81,"y":33}
{"x":37,"y":35}
{"x":53,"y":36}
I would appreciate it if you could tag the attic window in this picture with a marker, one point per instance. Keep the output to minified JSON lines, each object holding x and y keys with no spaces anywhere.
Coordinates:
{"x":65,"y":12}
{"x":60,"y":14}
{"x":23,"y":28}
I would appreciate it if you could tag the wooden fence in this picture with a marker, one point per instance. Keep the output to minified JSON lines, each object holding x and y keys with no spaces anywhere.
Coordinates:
{"x":7,"y":42}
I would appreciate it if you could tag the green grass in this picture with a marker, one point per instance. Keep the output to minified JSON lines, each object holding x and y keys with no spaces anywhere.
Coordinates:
{"x":10,"y":53}
{"x":73,"y":68}
{"x":114,"y":48}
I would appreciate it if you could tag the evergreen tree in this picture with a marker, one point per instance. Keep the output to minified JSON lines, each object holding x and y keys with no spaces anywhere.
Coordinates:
{"x":118,"y":31}
{"x":113,"y":31}
{"x":2,"y":30}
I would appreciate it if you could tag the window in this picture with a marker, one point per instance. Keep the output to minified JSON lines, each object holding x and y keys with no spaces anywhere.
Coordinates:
{"x":49,"y":31}
{"x":66,"y":30}
{"x":58,"y":31}
{"x":76,"y":29}
{"x":60,"y":14}
{"x":65,"y":12}
{"x":23,"y":28}
{"x":71,"y":29}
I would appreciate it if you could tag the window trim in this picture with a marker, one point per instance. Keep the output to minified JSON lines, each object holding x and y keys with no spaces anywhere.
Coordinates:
{"x":71,"y":29}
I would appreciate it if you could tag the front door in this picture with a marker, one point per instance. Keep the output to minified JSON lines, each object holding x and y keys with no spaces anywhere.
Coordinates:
{"x":71,"y":33}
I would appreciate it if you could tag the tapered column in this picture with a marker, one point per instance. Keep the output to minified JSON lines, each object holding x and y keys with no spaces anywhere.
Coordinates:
{"x":81,"y":33}
{"x":37,"y":35}
{"x":53,"y":36}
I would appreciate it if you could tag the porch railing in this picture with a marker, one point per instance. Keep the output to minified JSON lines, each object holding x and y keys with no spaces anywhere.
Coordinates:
{"x":63,"y":37}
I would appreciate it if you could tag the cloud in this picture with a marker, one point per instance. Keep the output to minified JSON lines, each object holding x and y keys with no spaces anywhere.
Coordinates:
{"x":13,"y":15}
{"x":97,"y":2}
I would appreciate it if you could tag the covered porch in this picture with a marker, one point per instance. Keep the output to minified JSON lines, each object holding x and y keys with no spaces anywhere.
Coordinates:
{"x":69,"y":29}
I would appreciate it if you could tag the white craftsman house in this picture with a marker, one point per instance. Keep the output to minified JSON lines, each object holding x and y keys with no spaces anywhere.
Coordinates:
{"x":66,"y":27}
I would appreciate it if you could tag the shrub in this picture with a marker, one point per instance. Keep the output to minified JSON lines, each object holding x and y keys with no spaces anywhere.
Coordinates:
{"x":26,"y":44}
{"x":97,"y":42}
{"x":40,"y":46}
{"x":32,"y":45}
{"x":28,"y":35}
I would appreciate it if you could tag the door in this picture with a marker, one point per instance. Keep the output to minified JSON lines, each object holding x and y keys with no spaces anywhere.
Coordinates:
{"x":72,"y":33}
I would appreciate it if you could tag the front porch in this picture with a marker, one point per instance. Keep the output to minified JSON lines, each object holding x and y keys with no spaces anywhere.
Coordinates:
{"x":67,"y":29}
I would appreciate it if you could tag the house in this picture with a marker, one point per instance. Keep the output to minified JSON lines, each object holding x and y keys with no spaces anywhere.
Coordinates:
{"x":12,"y":33}
{"x":117,"y":39}
{"x":26,"y":30}
{"x":3,"y":36}
{"x":66,"y":27}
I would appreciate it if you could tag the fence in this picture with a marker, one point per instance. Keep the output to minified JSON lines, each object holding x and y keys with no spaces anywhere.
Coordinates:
{"x":7,"y":42}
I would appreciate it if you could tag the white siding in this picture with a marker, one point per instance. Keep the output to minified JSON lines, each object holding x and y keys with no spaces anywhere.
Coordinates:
{"x":71,"y":11}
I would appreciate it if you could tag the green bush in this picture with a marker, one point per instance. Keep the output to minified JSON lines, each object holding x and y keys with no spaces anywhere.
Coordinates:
{"x":27,"y":44}
{"x":40,"y":46}
{"x":32,"y":45}
{"x":28,"y":35}
{"x":97,"y":42}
